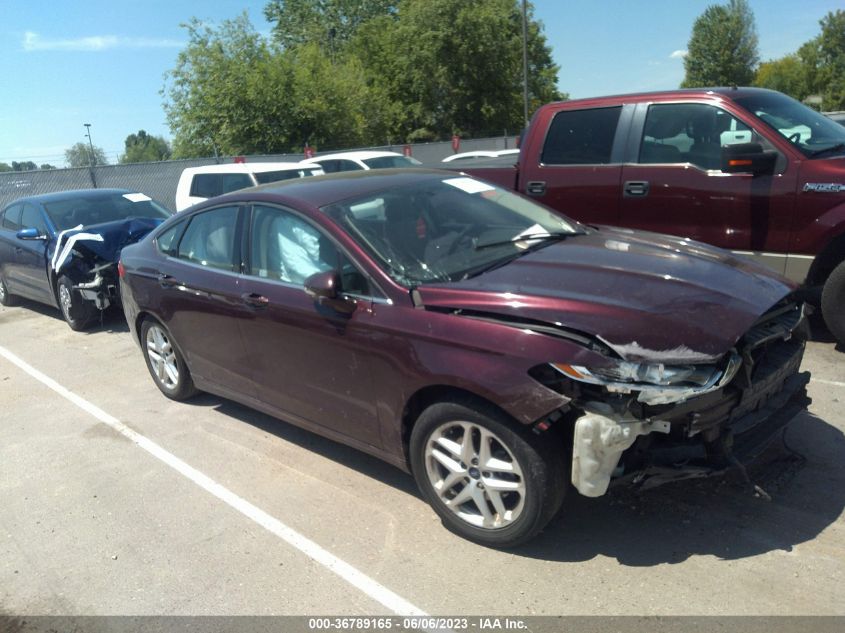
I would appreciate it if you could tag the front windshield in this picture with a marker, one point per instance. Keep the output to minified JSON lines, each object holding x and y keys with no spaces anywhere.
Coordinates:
{"x":388,"y":162}
{"x":446,"y":228}
{"x":96,"y":209}
{"x":812,"y":133}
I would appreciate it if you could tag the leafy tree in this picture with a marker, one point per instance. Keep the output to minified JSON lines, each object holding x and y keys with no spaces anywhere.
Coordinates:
{"x":329,"y":24}
{"x":230,"y":93}
{"x":455,"y":66}
{"x":787,"y":75}
{"x":79,"y":155}
{"x":5,"y":167}
{"x":145,"y":148}
{"x":24,"y":166}
{"x":722,"y":49}
{"x":47,"y":166}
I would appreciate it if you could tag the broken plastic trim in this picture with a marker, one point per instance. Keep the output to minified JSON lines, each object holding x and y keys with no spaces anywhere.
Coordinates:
{"x":654,"y":383}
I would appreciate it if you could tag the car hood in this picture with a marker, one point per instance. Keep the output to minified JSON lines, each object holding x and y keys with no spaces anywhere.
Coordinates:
{"x":115,"y":235}
{"x":650,"y":297}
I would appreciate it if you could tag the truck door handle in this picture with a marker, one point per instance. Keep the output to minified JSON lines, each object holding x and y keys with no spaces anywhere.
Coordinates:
{"x":255,"y":300}
{"x":636,"y":188}
{"x":536,"y":188}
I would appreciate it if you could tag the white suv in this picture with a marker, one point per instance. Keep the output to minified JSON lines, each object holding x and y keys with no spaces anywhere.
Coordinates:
{"x":201,"y":183}
{"x":355,"y":161}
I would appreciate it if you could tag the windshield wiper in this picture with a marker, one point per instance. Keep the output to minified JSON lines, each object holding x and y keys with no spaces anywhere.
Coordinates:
{"x":529,"y":237}
{"x":825,"y":150}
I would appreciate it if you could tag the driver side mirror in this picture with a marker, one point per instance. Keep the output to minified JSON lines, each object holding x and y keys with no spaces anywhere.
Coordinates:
{"x":30,"y":234}
{"x":326,"y":289}
{"x":745,"y":158}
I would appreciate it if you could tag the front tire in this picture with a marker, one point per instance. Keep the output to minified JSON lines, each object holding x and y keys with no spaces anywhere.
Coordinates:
{"x":164,"y":361}
{"x":833,"y":303}
{"x":76,"y":311}
{"x":489,"y":481}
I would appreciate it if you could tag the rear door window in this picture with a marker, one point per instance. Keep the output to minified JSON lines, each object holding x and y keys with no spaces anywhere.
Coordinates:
{"x":209,"y":239}
{"x":581,"y":137}
{"x":206,"y":185}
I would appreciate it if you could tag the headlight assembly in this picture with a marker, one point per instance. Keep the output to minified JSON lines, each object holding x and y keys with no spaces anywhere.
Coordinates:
{"x":656,"y":383}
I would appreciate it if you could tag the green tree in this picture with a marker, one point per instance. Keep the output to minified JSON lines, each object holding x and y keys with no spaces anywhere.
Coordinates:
{"x":830,"y":45}
{"x":455,"y":66}
{"x":722,"y":49}
{"x":787,"y":74}
{"x":24,"y":166}
{"x":79,"y":155}
{"x":47,"y":166}
{"x":145,"y":148}
{"x":230,"y":93}
{"x":5,"y":167}
{"x":330,"y":24}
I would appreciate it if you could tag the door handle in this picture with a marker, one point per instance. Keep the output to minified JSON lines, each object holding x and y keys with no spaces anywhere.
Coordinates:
{"x":636,"y":188}
{"x":535,"y":188}
{"x":166,"y":281}
{"x":255,"y":300}
{"x":18,"y":250}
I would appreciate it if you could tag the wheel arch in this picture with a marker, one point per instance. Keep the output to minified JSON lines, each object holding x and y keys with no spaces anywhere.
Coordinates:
{"x":829,"y":258}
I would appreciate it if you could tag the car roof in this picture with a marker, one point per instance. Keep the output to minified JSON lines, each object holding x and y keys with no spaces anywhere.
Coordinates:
{"x":72,"y":194}
{"x":243,"y":168}
{"x":319,"y":191}
{"x":362,"y":155}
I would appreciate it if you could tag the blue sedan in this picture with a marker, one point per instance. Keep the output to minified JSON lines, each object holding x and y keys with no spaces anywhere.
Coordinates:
{"x":62,"y":248}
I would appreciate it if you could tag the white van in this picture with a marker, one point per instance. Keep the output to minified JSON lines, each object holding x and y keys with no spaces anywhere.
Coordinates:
{"x":201,"y":183}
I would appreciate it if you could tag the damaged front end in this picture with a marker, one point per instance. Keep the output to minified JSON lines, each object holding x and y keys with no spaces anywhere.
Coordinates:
{"x":649,"y":423}
{"x":88,"y":256}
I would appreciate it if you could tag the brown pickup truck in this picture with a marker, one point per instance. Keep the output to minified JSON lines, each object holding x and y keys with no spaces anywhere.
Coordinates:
{"x":745,"y":169}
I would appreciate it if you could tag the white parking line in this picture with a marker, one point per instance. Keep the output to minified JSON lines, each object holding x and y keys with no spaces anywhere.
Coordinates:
{"x":829,"y":382}
{"x":347,"y":572}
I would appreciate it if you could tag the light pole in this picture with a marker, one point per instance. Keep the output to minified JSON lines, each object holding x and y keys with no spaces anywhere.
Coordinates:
{"x":525,"y":61}
{"x":90,"y":144}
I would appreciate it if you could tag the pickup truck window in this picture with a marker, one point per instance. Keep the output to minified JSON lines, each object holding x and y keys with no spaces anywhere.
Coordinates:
{"x":690,"y":133}
{"x":813,"y":134}
{"x":581,"y":137}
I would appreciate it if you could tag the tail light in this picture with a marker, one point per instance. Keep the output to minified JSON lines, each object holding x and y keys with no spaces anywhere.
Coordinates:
{"x":121,"y":270}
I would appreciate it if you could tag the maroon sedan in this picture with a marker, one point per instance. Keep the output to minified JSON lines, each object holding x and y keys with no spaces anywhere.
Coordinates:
{"x":502,"y":353}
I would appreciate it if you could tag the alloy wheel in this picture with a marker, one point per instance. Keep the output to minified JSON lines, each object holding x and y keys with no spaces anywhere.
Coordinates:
{"x":162,"y":357}
{"x":65,"y":301}
{"x":475,"y":475}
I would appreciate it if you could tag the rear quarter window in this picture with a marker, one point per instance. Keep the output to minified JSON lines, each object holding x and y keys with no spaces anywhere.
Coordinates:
{"x":581,"y":137}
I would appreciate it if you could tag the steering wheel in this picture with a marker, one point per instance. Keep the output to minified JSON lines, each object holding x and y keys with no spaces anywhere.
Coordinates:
{"x":794,"y":138}
{"x":459,"y":238}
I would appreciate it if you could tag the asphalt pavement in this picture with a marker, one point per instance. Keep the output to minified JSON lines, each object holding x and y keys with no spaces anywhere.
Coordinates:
{"x":117,"y":501}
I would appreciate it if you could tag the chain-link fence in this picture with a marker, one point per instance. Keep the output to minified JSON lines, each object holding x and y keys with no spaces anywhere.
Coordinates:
{"x":159,"y":180}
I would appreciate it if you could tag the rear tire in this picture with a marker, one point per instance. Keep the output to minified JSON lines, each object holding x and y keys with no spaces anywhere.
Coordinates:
{"x":6,"y":298}
{"x":165,"y":363}
{"x":508,"y":483}
{"x":833,"y":303}
{"x":77,"y":312}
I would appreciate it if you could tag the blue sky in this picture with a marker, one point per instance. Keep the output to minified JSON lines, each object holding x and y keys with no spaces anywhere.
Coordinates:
{"x":102,"y":61}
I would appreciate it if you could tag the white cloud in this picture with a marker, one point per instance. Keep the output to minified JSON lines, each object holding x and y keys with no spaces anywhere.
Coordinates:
{"x":34,"y":42}
{"x":679,"y":54}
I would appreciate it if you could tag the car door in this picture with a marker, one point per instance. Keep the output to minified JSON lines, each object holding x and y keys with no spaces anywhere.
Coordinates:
{"x":200,"y":297}
{"x":308,"y":360}
{"x":31,"y":256}
{"x":675,"y":185}
{"x":579,"y":168}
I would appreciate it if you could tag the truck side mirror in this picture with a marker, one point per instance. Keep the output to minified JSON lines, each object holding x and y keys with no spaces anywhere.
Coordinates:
{"x":745,"y":158}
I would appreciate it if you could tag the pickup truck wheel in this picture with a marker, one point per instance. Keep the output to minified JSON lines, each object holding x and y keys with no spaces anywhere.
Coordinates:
{"x":833,"y":303}
{"x":6,"y":298}
{"x":487,"y":480}
{"x":77,"y":312}
{"x":165,"y":362}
